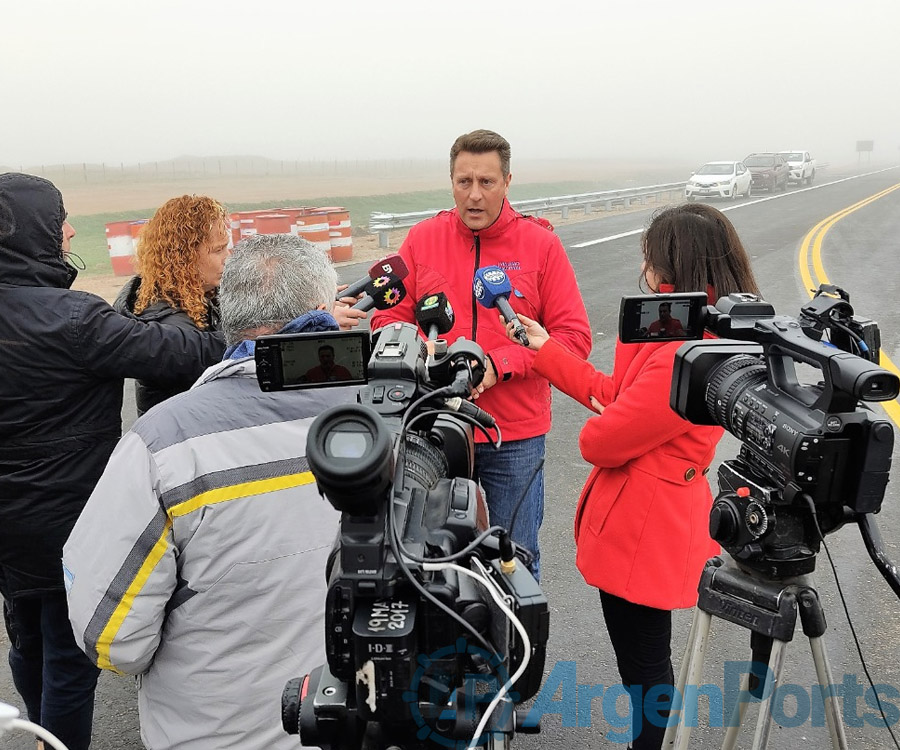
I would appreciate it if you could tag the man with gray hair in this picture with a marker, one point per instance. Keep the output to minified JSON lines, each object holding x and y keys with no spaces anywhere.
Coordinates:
{"x":210,"y":583}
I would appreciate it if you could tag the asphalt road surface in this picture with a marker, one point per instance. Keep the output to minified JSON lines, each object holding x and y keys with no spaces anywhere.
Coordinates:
{"x":860,"y":253}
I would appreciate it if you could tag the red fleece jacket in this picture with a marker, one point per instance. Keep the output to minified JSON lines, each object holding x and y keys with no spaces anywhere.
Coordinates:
{"x":442,"y":255}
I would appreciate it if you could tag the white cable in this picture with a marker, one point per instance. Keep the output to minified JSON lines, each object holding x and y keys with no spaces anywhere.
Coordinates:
{"x":9,"y":720}
{"x":498,"y":597}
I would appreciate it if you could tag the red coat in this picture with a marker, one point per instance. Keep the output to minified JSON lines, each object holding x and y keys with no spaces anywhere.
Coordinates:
{"x":642,"y":522}
{"x":442,"y":255}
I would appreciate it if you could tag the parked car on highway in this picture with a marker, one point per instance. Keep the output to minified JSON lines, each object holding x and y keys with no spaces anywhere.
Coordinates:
{"x":801,"y":165}
{"x":769,"y":171}
{"x":719,"y":179}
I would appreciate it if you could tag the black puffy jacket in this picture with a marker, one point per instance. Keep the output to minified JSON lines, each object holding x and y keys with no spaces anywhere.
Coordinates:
{"x":148,"y":393}
{"x":63,"y":357}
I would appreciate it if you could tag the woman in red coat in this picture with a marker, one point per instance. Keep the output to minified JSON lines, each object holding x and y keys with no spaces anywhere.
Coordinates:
{"x":642,"y":522}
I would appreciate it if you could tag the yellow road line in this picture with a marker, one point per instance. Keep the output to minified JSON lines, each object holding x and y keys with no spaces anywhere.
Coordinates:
{"x":814,"y":239}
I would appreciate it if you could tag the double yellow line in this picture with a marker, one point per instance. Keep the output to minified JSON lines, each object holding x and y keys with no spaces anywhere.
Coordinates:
{"x":811,"y":254}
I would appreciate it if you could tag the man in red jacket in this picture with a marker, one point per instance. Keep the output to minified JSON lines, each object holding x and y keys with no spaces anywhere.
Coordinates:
{"x":442,"y":254}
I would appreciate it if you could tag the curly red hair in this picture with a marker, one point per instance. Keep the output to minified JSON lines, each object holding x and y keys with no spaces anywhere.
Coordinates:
{"x":167,"y":251}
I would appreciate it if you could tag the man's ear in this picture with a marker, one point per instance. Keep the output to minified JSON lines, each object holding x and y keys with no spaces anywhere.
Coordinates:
{"x":323,"y":306}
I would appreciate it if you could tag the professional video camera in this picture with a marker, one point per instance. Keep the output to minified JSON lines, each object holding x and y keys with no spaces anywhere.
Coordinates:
{"x":433,"y":628}
{"x":812,"y":457}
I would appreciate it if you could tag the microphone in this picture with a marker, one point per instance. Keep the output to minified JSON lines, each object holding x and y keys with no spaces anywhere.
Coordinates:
{"x":492,"y":289}
{"x":383,"y":293}
{"x":434,"y":315}
{"x":392,"y":265}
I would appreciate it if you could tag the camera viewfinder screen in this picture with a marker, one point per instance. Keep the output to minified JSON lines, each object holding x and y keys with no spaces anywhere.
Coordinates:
{"x":323,"y":360}
{"x":657,"y":318}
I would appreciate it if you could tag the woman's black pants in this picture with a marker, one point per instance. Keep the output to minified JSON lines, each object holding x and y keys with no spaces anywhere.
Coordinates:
{"x":641,"y":637}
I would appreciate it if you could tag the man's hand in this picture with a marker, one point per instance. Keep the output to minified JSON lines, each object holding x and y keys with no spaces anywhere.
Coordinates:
{"x":488,"y":381}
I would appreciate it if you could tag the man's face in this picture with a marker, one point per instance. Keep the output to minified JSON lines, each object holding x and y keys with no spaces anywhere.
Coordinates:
{"x":68,"y":232}
{"x":326,"y":358}
{"x":479,"y":188}
{"x":665,"y":311}
{"x":211,"y":257}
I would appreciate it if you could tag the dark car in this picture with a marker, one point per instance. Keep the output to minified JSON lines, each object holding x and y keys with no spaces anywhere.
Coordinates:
{"x":768,"y":170}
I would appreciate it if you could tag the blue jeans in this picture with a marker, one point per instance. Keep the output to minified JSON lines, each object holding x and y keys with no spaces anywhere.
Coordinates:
{"x":53,"y":676}
{"x":504,"y":474}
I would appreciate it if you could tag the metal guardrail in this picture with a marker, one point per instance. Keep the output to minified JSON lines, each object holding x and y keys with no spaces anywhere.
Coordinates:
{"x":383,"y":223}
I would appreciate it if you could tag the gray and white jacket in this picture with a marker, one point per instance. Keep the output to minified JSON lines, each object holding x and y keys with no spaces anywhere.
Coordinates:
{"x":198,"y":562}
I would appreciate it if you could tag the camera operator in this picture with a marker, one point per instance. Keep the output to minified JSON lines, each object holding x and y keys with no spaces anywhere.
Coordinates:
{"x":443,"y":255}
{"x":65,"y":355}
{"x":642,"y":523}
{"x":210,"y":583}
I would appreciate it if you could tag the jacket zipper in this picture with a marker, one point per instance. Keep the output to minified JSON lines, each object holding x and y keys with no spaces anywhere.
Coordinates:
{"x":474,"y":270}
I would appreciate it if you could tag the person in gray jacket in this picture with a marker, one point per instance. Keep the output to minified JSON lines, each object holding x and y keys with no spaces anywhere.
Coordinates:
{"x":199,"y":560}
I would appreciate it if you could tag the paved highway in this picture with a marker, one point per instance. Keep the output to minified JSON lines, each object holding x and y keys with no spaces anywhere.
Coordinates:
{"x":859,"y":252}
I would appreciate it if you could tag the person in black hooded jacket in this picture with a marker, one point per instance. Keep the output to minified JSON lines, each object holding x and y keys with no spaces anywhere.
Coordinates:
{"x":65,"y":355}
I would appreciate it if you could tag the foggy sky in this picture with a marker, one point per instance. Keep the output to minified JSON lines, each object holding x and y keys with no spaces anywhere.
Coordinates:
{"x":143,"y":80}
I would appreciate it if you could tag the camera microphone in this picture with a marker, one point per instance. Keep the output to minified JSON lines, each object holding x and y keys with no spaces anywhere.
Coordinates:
{"x":392,"y":265}
{"x":383,"y":293}
{"x":492,"y":289}
{"x":434,"y":315}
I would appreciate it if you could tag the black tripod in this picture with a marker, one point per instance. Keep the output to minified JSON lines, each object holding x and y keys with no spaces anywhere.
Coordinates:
{"x":769,"y":610}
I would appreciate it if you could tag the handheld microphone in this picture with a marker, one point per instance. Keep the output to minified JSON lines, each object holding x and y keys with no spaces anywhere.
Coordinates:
{"x":434,"y":315}
{"x":392,"y":265}
{"x":383,"y":293}
{"x":492,"y":289}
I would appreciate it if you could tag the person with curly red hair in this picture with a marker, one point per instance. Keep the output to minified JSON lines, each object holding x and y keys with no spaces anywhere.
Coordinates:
{"x":181,"y":254}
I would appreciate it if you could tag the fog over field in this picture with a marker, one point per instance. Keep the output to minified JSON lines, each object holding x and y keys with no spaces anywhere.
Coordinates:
{"x":125,"y":82}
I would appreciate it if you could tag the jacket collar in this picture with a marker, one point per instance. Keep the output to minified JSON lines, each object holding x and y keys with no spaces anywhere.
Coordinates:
{"x":507,"y":216}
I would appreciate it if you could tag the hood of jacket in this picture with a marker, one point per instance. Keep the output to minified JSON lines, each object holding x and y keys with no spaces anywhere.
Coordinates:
{"x":31,"y":235}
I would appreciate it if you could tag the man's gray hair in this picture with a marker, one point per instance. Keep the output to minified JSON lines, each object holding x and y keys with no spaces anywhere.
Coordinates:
{"x":269,"y":280}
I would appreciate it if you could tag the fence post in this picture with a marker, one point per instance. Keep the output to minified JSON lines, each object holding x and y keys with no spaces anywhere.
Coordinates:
{"x":383,"y":238}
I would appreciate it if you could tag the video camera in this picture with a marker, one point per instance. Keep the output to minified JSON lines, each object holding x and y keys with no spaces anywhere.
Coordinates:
{"x":434,"y":628}
{"x":812,"y":457}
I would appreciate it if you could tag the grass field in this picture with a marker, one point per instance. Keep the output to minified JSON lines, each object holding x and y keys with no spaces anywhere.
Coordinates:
{"x":90,"y":241}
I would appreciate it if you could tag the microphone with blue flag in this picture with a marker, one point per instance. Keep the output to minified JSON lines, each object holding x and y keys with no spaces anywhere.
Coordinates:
{"x":492,"y":289}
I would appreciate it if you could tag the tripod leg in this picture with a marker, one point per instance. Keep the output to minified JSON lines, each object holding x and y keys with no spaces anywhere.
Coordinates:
{"x":832,"y":713}
{"x":733,"y":727}
{"x":764,"y":722}
{"x":678,"y":735}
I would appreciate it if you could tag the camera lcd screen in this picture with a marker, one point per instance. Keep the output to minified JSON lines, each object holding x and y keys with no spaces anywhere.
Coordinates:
{"x":662,"y":317}
{"x":313,"y":360}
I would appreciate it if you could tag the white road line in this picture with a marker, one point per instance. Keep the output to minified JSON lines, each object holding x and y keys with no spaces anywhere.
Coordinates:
{"x":619,"y":236}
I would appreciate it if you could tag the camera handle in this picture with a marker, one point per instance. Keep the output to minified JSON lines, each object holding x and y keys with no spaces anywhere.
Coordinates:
{"x":769,"y":610}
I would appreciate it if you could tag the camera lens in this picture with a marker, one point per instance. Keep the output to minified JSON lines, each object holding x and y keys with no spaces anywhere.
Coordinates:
{"x":728,"y":383}
{"x":349,"y":453}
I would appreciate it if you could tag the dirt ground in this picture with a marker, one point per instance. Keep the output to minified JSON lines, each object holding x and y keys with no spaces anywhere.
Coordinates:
{"x":110,"y":191}
{"x":85,"y":197}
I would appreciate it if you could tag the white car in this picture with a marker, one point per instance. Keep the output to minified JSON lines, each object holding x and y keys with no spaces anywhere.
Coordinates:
{"x":719,"y":179}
